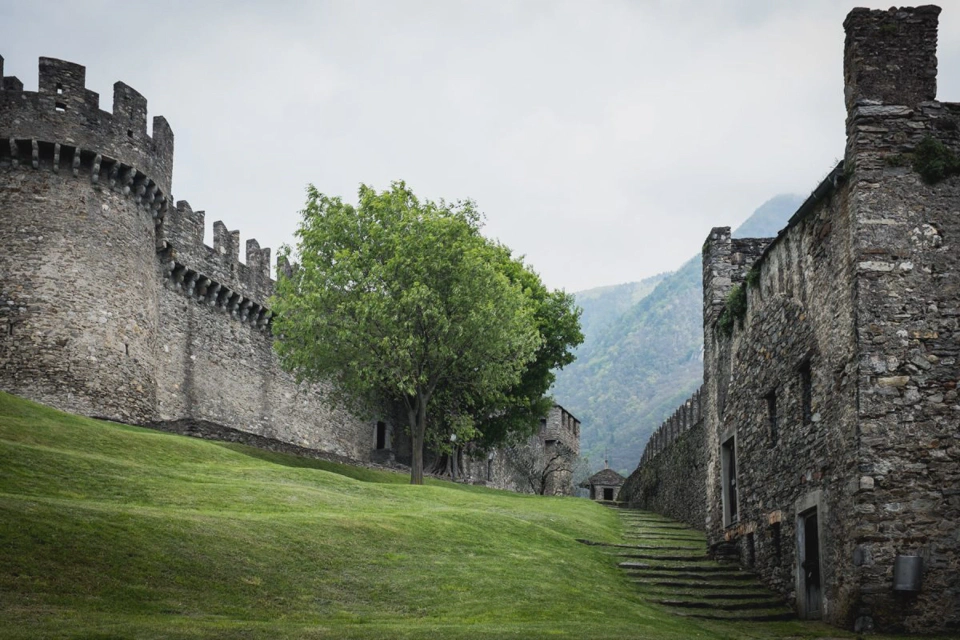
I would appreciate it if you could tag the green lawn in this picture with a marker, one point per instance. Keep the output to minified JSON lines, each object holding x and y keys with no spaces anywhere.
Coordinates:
{"x":110,"y":531}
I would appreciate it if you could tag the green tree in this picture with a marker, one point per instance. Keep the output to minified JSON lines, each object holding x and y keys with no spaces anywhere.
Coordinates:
{"x":512,"y":416}
{"x":517,"y":412}
{"x":398,"y":299}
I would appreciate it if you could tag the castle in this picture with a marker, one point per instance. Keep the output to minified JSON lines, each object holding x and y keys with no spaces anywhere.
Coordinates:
{"x":823,"y":450}
{"x":112,"y":306}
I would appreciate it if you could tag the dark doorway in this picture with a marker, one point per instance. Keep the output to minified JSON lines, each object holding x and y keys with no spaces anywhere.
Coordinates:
{"x":809,"y":548}
{"x":381,"y":435}
{"x":607,"y":493}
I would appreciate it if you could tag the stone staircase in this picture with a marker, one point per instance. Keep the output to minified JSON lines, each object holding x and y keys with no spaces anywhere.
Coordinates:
{"x":668,"y":562}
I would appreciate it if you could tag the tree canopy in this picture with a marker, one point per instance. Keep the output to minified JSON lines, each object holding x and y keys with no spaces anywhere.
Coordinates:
{"x":404,"y":300}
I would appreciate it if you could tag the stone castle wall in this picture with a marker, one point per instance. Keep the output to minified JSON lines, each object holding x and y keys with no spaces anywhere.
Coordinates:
{"x":834,"y":394}
{"x":656,"y":484}
{"x":111,"y":305}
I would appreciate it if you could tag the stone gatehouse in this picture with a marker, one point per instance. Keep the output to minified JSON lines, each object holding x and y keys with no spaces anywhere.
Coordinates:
{"x":827,"y":425}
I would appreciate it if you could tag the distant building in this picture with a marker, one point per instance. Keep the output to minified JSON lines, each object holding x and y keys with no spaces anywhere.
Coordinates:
{"x":604,"y":485}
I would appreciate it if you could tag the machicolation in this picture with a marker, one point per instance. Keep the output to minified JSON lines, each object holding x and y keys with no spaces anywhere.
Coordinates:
{"x":110,"y":302}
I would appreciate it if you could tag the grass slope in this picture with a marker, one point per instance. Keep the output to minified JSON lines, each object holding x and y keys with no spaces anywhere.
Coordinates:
{"x":110,"y":531}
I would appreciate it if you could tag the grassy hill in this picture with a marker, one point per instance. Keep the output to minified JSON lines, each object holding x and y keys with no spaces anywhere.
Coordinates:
{"x":640,"y":361}
{"x":110,"y":531}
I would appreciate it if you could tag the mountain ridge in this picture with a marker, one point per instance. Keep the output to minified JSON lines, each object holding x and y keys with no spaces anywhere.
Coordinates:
{"x":639,"y":361}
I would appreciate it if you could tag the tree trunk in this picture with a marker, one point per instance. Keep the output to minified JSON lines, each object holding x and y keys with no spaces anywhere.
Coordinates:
{"x":418,"y":429}
{"x":454,"y":467}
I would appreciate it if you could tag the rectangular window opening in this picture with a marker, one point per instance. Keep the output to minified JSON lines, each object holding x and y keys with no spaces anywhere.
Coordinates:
{"x":751,"y":551}
{"x":775,"y":540}
{"x":771,"y":399}
{"x":60,"y":107}
{"x":806,"y":392}
{"x":129,"y":133}
{"x":59,"y":88}
{"x":728,"y":470}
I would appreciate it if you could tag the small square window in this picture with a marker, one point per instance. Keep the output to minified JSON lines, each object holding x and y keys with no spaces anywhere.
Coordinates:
{"x":60,"y":107}
{"x":129,"y":133}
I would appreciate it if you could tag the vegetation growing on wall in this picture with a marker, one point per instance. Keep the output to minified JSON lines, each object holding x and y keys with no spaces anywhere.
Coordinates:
{"x":735,"y":309}
{"x":753,"y":276}
{"x":934,"y":161}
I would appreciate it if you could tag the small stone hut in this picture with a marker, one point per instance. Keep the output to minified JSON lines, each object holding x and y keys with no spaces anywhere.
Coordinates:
{"x":604,"y":485}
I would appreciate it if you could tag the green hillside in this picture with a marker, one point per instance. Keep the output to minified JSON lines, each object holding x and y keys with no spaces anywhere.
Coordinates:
{"x":110,"y":531}
{"x":637,"y":368}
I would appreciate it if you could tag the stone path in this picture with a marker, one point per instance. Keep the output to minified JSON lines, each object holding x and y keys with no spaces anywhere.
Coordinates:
{"x":667,"y":561}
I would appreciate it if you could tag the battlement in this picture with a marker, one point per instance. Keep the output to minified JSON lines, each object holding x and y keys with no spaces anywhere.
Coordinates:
{"x":63,"y":111}
{"x":687,"y":416}
{"x":215,"y":275}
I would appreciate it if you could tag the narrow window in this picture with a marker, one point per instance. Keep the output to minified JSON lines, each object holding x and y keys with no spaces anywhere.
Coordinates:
{"x":59,"y":88}
{"x":775,"y":540}
{"x":806,"y":392}
{"x":129,"y":133}
{"x":489,"y":469}
{"x":751,"y":551}
{"x":772,"y":415}
{"x":728,"y":470}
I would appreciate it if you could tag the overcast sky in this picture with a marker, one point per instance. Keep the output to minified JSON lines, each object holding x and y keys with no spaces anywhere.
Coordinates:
{"x":602,"y":139}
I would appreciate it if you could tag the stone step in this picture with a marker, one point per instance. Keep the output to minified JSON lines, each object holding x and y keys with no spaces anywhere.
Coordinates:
{"x":667,"y":561}
{"x":641,"y":536}
{"x":687,"y":583}
{"x":689,"y":594}
{"x":684,"y":568}
{"x":648,"y":547}
{"x":697,"y":580}
{"x":665,"y":558}
{"x":744,"y":616}
{"x":717,"y":605}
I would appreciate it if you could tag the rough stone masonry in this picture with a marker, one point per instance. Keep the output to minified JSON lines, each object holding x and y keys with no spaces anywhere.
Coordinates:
{"x":829,"y":408}
{"x":112,"y":306}
{"x":110,"y":303}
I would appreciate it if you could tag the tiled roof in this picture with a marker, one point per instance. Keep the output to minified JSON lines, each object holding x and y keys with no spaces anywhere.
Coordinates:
{"x":607,"y":477}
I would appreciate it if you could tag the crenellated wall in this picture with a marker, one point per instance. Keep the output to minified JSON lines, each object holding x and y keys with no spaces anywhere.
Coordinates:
{"x":671,"y":476}
{"x":111,"y":304}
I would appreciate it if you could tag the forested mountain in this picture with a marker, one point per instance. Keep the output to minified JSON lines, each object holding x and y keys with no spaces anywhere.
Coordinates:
{"x":603,"y":305}
{"x":643,"y":351}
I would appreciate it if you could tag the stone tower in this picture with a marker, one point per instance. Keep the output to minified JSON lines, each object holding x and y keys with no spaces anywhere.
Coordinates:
{"x":82,"y":193}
